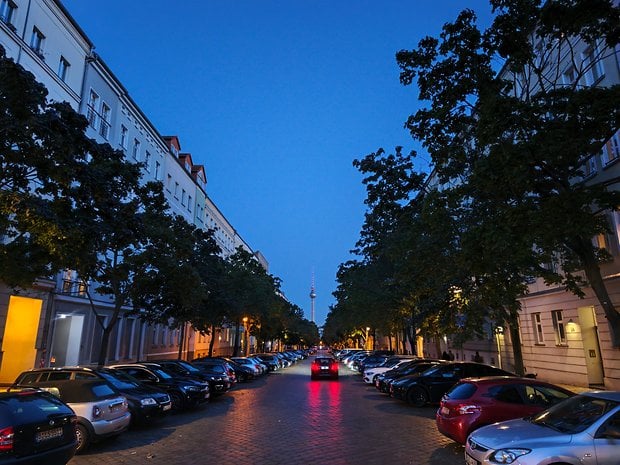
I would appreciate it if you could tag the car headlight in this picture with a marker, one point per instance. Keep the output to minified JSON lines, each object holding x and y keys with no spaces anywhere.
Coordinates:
{"x":148,"y":401}
{"x":508,"y":455}
{"x":190,"y":388}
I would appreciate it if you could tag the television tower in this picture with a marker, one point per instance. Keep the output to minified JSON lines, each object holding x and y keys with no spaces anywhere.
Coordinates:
{"x":312,"y":297}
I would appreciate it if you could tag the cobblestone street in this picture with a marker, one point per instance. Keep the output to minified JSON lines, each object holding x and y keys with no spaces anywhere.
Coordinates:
{"x":287,"y":419}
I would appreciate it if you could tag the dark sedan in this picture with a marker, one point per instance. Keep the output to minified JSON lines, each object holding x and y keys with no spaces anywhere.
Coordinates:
{"x":430,"y":385}
{"x":219,"y":381}
{"x":36,"y":428}
{"x":385,"y":380}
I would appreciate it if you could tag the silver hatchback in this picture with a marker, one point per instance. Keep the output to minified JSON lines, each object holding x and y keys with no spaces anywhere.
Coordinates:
{"x":584,"y":429}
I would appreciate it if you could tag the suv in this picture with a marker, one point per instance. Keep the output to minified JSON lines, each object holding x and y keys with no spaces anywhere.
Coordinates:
{"x":219,"y":382}
{"x":35,"y":428}
{"x":145,"y":402}
{"x":101,"y":411}
{"x":184,"y":392}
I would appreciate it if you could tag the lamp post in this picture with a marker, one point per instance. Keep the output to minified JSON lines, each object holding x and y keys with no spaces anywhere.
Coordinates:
{"x":499,"y":332}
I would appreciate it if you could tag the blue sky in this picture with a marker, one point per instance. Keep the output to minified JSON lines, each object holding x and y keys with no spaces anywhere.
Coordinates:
{"x":275,"y":98}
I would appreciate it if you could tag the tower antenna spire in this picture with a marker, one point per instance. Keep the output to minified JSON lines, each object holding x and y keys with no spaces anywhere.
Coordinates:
{"x":312,"y":297}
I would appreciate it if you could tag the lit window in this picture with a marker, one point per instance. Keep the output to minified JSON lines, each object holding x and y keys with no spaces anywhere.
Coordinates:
{"x":7,"y":11}
{"x":611,"y":150}
{"x":63,"y":68}
{"x":538,"y":329}
{"x":36,"y":42}
{"x":104,"y":128}
{"x":558,"y":327}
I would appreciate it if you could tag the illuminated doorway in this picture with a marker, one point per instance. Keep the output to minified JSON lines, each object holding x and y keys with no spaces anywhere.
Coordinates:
{"x":591,"y":347}
{"x":20,"y":334}
{"x":67,"y":340}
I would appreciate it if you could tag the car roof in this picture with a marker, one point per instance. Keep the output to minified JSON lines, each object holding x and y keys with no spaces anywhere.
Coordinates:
{"x":606,"y":395}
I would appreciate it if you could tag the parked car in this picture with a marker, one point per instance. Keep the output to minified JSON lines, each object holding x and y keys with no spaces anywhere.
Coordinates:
{"x":383,"y":382}
{"x":272,"y":362}
{"x":36,"y":428}
{"x":243,"y":373}
{"x":145,"y":402}
{"x":430,"y":385}
{"x":390,"y":363}
{"x":210,"y":362}
{"x":581,"y":429}
{"x":476,"y":402}
{"x":219,"y":382}
{"x":324,"y":367}
{"x":257,"y":368}
{"x":184,"y":392}
{"x":101,"y":411}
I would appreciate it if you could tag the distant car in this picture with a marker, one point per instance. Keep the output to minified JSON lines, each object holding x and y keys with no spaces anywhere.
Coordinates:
{"x":583,"y":429}
{"x":145,"y":402}
{"x":101,"y":411}
{"x":324,"y":367}
{"x":430,"y":385}
{"x":36,"y":428}
{"x":476,"y":402}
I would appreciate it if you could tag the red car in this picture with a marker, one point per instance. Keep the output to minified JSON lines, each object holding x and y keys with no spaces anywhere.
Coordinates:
{"x":476,"y":402}
{"x":324,"y":367}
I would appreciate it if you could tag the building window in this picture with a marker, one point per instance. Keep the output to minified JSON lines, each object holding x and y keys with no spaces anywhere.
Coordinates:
{"x":611,"y":149}
{"x":136,"y":149}
{"x":558,"y":327}
{"x":36,"y":42}
{"x":157,"y":169}
{"x":538,"y":329}
{"x":176,"y":190}
{"x":593,"y":65}
{"x":589,"y":167}
{"x":7,"y":12}
{"x":123,"y":138}
{"x":104,"y":127}
{"x":189,"y":203}
{"x":63,"y":69}
{"x":183,"y":197}
{"x":147,"y":161}
{"x":569,"y":76}
{"x":91,"y":113}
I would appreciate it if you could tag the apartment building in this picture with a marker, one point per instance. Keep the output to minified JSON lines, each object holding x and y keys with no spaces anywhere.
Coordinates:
{"x":52,"y":323}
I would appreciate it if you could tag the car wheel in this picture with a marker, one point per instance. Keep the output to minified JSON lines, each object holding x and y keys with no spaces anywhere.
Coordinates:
{"x":417,"y":397}
{"x":177,"y":401}
{"x":83,"y":438}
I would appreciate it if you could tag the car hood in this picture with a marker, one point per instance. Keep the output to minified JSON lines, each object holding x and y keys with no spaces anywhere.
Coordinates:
{"x":516,"y":433}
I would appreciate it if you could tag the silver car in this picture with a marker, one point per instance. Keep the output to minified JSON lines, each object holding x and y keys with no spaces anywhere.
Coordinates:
{"x":582,"y":430}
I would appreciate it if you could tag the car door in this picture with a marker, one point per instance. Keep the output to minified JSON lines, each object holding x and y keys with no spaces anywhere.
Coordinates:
{"x":442,"y":380}
{"x":607,"y":443}
{"x":510,"y":402}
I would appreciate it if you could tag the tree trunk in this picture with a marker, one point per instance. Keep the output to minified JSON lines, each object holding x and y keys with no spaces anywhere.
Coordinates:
{"x":236,"y":344}
{"x":212,"y":341}
{"x":105,"y":342}
{"x":593,"y":274}
{"x":515,"y":337}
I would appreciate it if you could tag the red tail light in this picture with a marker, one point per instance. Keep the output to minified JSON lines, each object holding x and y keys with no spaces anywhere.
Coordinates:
{"x":467,"y":409}
{"x":6,"y":439}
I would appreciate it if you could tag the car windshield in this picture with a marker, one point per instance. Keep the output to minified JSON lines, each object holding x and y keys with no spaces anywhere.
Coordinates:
{"x":188,"y":367}
{"x":161,"y":373}
{"x":575,"y":414}
{"x":118,"y":381}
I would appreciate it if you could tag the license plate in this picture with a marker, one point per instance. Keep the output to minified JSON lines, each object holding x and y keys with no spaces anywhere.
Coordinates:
{"x":469,"y":460}
{"x":324,"y":368}
{"x":445,"y":410}
{"x":166,"y":407}
{"x":49,"y":434}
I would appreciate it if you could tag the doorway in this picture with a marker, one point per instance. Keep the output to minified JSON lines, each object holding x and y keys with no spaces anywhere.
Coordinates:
{"x":19,"y":350}
{"x":67,"y":340}
{"x":591,"y":347}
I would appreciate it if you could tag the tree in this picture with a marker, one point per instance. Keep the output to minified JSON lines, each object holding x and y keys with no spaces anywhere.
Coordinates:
{"x":525,"y":127}
{"x":44,"y":155}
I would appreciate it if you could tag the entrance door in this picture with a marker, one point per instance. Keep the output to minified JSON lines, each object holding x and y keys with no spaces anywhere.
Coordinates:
{"x":20,"y":334}
{"x":592,"y":350}
{"x":67,"y":340}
